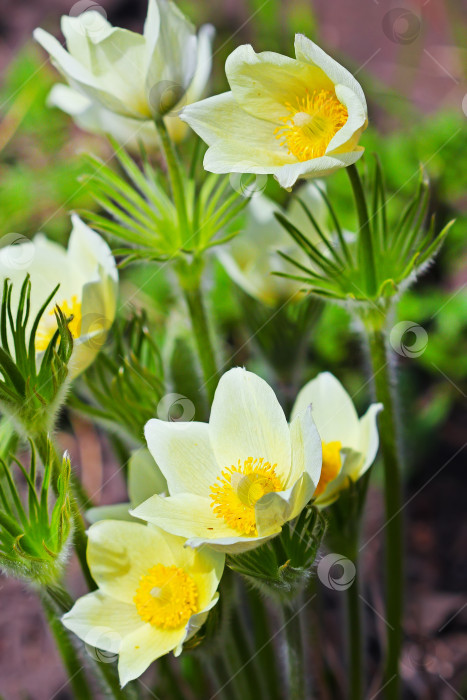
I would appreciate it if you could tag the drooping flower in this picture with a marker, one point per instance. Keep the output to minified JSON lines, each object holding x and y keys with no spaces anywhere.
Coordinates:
{"x":292,"y":118}
{"x":251,"y":257}
{"x":154,"y":594}
{"x":91,"y":116}
{"x":134,"y":75}
{"x":349,"y":443}
{"x":87,"y":295}
{"x":234,"y":481}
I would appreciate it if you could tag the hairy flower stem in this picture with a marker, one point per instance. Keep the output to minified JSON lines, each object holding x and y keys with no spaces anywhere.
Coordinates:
{"x":42,"y":442}
{"x":355,"y":647}
{"x":365,"y":243}
{"x":202,"y":333}
{"x":175,"y":174}
{"x":294,"y":647}
{"x":67,"y":651}
{"x":392,"y":495}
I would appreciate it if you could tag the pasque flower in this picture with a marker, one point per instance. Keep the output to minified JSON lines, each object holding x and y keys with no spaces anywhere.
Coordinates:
{"x":91,"y":116}
{"x":289,"y":117}
{"x":134,"y":75}
{"x":349,"y":444}
{"x":234,"y":481}
{"x":154,"y":594}
{"x":87,"y":295}
{"x":251,"y":258}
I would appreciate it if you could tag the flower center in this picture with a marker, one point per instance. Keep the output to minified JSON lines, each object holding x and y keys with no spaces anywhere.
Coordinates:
{"x":239,"y":489}
{"x":311,"y":124}
{"x":166,"y":597}
{"x":48,"y":324}
{"x":332,"y":463}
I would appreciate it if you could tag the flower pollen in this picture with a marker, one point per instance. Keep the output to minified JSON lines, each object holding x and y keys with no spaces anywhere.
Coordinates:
{"x":239,"y":489}
{"x":331,"y":467}
{"x":166,"y":597}
{"x":311,"y":124}
{"x":48,"y":326}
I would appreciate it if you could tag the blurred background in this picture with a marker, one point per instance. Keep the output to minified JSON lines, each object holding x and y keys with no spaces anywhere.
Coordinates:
{"x":411,"y":59}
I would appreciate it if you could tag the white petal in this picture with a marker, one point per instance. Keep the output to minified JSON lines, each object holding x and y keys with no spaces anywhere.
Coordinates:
{"x":248,"y":421}
{"x":306,"y":50}
{"x":369,"y":438}
{"x":332,"y":409}
{"x":306,"y":448}
{"x":288,"y":175}
{"x":195,"y":623}
{"x":263,"y":83}
{"x":184,"y":454}
{"x":276,"y":508}
{"x":145,"y":645}
{"x":356,"y":121}
{"x":119,"y":553}
{"x":102,"y":621}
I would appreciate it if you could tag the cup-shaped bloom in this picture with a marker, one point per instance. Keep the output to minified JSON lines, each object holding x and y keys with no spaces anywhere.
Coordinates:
{"x":153,"y":594}
{"x":251,"y":257}
{"x":234,"y":481}
{"x":91,"y":116}
{"x":292,"y":118}
{"x":87,"y":295}
{"x":135,"y":75}
{"x":349,"y":444}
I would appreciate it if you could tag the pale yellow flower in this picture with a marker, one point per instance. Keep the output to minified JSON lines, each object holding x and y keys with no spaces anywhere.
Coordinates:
{"x":235,"y":481}
{"x":349,"y":444}
{"x":87,"y":295}
{"x":154,"y":594}
{"x":134,"y":75}
{"x":288,"y":117}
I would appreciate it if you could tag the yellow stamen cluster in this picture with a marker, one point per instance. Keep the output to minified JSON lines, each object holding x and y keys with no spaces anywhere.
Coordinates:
{"x":332,"y":463}
{"x":311,"y":124}
{"x":47,"y":326}
{"x":239,"y":489}
{"x":166,"y":597}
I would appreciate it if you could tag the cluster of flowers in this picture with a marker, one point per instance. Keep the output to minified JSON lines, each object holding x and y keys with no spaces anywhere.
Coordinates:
{"x":229,"y":485}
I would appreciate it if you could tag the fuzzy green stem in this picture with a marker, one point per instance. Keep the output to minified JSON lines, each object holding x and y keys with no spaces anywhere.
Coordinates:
{"x":202,"y":333}
{"x":175,"y":174}
{"x":354,"y":636}
{"x":67,"y":651}
{"x":392,"y":495}
{"x":294,"y":646}
{"x":365,"y":244}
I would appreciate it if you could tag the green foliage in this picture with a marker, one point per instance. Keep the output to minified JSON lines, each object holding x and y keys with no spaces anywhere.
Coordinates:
{"x":31,"y":387}
{"x":281,"y":567}
{"x":143,"y":214}
{"x":125,"y":383}
{"x":34,"y":536}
